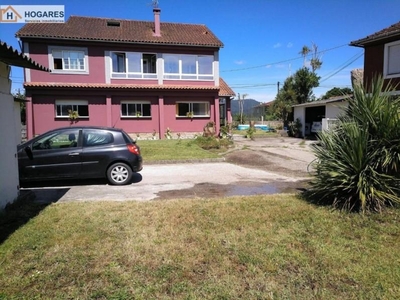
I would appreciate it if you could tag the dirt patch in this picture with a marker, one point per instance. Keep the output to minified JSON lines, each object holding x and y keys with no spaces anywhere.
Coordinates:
{"x":270,"y":162}
{"x":212,"y":190}
{"x":287,"y":157}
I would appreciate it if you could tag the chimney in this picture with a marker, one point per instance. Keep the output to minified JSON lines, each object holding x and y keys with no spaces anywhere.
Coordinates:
{"x":157,"y":31}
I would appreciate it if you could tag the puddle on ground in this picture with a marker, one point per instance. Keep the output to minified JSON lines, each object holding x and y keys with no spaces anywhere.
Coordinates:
{"x":252,"y":190}
{"x":211,"y":190}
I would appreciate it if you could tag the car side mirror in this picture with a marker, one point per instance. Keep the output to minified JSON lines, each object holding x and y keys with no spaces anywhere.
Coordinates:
{"x":28,"y":152}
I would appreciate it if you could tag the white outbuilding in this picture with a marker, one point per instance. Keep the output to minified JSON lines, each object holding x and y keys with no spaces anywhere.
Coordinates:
{"x":318,"y":115}
{"x":10,"y":123}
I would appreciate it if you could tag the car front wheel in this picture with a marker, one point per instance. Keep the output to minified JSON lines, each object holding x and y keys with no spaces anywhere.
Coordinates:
{"x":119,"y":174}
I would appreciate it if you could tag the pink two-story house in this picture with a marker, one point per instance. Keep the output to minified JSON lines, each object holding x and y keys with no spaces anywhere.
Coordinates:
{"x":144,"y":77}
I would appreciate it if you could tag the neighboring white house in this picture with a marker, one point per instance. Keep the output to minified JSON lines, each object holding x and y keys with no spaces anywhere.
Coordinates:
{"x":317,"y":115}
{"x":10,"y":123}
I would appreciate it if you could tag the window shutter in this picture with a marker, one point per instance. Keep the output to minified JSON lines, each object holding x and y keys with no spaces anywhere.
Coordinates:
{"x":393,"y":60}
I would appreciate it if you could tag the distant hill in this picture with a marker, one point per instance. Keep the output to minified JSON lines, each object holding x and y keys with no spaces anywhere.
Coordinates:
{"x":248,"y":106}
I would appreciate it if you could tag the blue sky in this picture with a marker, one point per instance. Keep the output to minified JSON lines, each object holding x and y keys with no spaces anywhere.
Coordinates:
{"x":262,"y":38}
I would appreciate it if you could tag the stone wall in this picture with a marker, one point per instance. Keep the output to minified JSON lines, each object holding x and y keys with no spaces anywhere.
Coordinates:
{"x":172,"y":136}
{"x":273,"y":124}
{"x":357,"y":77}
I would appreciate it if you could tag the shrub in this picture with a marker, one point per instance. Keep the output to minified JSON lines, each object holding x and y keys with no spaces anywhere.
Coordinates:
{"x":357,"y":166}
{"x":210,"y":142}
{"x":250,"y":132}
{"x":225,"y":143}
{"x":225,"y":130}
{"x":295,"y":128}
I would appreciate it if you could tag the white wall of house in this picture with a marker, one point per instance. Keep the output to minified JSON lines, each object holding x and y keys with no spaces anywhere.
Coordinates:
{"x":300,"y":113}
{"x":333,"y":110}
{"x":8,"y":151}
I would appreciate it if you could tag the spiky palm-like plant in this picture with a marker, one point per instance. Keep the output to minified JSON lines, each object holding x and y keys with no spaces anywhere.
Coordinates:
{"x":357,"y":166}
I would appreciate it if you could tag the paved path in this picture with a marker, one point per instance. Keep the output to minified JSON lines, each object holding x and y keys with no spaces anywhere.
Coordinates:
{"x":155,"y":179}
{"x":188,"y":180}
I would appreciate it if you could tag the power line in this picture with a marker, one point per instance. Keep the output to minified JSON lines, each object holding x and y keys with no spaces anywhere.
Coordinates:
{"x":282,"y":61}
{"x":332,"y":86}
{"x":340,"y":69}
{"x":351,"y":59}
{"x":324,"y":78}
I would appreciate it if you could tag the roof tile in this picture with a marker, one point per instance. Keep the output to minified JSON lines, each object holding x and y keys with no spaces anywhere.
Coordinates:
{"x":129,"y":31}
{"x":393,"y":30}
{"x":224,"y":89}
{"x":12,"y":57}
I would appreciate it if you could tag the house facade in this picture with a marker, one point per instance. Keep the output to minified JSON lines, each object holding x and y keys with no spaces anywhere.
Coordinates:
{"x":382,"y":55}
{"x":10,"y":123}
{"x":143,"y":77}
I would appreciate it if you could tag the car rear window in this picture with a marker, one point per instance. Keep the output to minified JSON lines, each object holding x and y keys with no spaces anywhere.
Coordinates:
{"x":97,"y":137}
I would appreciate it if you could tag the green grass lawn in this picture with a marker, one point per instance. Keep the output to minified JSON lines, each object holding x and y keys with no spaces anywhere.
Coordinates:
{"x":259,"y":247}
{"x":158,"y":150}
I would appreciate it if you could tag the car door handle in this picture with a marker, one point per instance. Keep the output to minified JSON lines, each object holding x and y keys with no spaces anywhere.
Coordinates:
{"x":74,"y":154}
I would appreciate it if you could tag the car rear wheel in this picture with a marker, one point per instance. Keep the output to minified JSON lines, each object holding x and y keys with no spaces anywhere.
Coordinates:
{"x":119,"y":174}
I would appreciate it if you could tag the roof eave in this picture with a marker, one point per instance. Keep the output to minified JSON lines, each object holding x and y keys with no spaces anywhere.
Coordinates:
{"x":40,"y":85}
{"x":368,"y":40}
{"x":119,"y":41}
{"x":13,"y":57}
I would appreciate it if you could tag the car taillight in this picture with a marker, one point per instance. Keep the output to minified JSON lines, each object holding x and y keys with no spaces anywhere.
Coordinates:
{"x":133,"y":148}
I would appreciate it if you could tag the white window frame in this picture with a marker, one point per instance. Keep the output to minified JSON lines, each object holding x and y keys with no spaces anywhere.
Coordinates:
{"x":180,"y":75}
{"x":74,"y":104}
{"x":191,"y":113}
{"x":386,"y":61}
{"x":82,"y":50}
{"x":136,"y":103}
{"x":133,"y":74}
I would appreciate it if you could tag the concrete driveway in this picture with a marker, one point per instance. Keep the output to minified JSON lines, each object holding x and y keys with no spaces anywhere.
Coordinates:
{"x":263,"y":166}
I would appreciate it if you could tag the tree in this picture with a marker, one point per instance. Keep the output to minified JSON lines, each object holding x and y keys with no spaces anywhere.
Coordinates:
{"x":282,"y":106}
{"x":337,"y":92}
{"x":358,"y":160}
{"x":304,"y":52}
{"x":304,"y":78}
{"x":315,"y":61}
{"x":298,"y":88}
{"x":21,"y":95}
{"x":303,"y":83}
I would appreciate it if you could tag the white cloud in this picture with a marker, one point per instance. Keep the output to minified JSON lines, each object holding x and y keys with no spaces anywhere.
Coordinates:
{"x":277,"y":45}
{"x":289,"y":45}
{"x":240,"y":62}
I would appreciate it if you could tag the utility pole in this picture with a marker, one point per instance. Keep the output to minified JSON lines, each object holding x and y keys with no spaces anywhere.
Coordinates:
{"x":240,"y":108}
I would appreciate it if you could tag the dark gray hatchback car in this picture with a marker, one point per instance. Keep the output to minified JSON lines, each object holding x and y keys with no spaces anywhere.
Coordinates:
{"x":79,"y":153}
